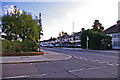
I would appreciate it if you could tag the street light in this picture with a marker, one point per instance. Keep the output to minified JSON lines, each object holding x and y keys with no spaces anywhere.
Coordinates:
{"x":40,"y":24}
{"x":73,"y":35}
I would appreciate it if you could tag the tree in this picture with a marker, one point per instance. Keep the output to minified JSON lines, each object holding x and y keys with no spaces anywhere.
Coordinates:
{"x":22,"y":26}
{"x":62,"y":33}
{"x":97,"y":26}
{"x":96,"y":40}
{"x":82,"y":29}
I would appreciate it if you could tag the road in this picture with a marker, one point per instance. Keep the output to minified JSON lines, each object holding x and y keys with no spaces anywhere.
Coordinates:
{"x":83,"y":64}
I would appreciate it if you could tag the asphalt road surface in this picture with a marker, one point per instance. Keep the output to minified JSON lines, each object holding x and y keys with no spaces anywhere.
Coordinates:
{"x":83,"y":64}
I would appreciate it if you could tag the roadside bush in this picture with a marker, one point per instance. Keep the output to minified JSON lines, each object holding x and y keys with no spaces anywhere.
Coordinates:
{"x":15,"y":46}
{"x":96,"y":41}
{"x":29,"y":46}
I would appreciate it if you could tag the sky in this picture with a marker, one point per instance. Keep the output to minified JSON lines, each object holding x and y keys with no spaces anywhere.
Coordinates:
{"x":58,"y":16}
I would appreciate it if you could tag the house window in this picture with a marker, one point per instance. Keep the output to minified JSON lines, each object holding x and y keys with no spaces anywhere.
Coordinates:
{"x":116,"y":35}
{"x":118,"y":44}
{"x":77,"y":38}
{"x":115,"y":44}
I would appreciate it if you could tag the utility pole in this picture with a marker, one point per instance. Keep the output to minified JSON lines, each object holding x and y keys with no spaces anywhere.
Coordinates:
{"x":73,"y":35}
{"x":40,"y":26}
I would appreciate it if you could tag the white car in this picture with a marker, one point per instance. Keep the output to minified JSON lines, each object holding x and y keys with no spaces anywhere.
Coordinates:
{"x":45,"y":45}
{"x":77,"y":45}
{"x":57,"y":45}
{"x":50,"y":45}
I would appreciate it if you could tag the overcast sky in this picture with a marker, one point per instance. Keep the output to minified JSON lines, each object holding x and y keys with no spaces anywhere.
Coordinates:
{"x":59,"y":16}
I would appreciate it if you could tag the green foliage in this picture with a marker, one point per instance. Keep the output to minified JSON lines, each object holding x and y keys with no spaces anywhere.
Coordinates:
{"x":97,"y":26}
{"x":16,"y":25}
{"x":15,"y":46}
{"x":96,"y":40}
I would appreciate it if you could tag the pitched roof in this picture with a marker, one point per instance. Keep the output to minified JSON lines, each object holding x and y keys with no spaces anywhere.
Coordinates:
{"x":76,"y":34}
{"x":112,"y":29}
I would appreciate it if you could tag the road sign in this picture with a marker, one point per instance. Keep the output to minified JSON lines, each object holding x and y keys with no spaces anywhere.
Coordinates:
{"x":87,"y":42}
{"x":87,"y":38}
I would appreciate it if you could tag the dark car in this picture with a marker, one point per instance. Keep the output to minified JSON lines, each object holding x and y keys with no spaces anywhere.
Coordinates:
{"x":64,"y":45}
{"x":71,"y":46}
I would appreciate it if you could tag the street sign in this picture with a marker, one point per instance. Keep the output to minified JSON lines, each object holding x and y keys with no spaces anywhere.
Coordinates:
{"x":87,"y":41}
{"x":87,"y":38}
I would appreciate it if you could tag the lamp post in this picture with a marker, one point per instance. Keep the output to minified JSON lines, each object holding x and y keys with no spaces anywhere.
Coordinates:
{"x":73,"y":35}
{"x":40,"y":24}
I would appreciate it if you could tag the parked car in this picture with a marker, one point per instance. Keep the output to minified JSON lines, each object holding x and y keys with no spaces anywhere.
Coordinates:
{"x":71,"y":46}
{"x":57,"y":45}
{"x":44,"y":45}
{"x":50,"y":46}
{"x":77,"y":45}
{"x":64,"y":45}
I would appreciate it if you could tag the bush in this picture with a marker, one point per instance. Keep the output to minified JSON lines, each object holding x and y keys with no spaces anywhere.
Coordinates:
{"x":96,"y":40}
{"x":15,"y":46}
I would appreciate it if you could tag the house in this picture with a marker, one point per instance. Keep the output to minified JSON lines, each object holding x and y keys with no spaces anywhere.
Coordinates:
{"x":63,"y":38}
{"x":114,"y":32}
{"x":75,"y":38}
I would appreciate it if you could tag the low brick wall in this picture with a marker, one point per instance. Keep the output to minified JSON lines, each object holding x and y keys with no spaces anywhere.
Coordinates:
{"x":22,"y":54}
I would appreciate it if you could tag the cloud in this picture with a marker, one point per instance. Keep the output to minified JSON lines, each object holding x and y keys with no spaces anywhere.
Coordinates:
{"x":10,"y":9}
{"x":54,"y":20}
{"x":6,"y":6}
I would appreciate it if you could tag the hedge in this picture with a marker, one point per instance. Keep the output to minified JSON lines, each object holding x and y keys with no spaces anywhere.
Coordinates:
{"x":96,"y":41}
{"x":15,"y":46}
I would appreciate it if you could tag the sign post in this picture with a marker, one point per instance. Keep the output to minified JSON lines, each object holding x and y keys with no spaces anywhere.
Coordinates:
{"x":87,"y":41}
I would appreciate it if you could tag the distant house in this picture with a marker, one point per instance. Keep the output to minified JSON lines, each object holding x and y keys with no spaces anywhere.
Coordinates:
{"x":75,"y":38}
{"x":57,"y":40}
{"x":64,"y":38}
{"x":114,"y":32}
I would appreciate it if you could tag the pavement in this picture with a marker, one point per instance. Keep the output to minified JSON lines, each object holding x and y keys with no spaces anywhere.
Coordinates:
{"x":48,"y":56}
{"x":106,"y":51}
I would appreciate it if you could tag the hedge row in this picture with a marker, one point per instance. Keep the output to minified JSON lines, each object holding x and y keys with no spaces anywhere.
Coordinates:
{"x":96,"y":41}
{"x":15,"y":46}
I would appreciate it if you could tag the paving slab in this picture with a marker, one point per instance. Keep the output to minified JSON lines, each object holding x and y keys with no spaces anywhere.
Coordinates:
{"x":48,"y":56}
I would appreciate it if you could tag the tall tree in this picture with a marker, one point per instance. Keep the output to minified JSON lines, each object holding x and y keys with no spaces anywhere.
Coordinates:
{"x":16,"y":25}
{"x":82,"y":29}
{"x":97,"y":26}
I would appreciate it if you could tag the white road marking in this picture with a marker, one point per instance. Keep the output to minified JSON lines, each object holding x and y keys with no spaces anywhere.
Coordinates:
{"x":92,"y":60}
{"x":100,"y":62}
{"x":76,"y":70}
{"x":110,"y":64}
{"x":117,"y":64}
{"x":96,"y":60}
{"x":16,"y":77}
{"x":85,"y":58}
{"x":76,"y":57}
{"x":80,"y":58}
{"x":68,"y":57}
{"x":24,"y":76}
